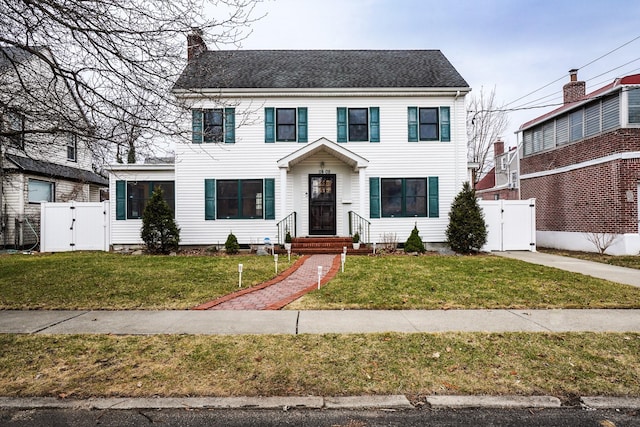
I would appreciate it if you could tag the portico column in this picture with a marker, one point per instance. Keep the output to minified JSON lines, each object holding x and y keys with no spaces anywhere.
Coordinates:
{"x":283,"y":193}
{"x":363,"y":195}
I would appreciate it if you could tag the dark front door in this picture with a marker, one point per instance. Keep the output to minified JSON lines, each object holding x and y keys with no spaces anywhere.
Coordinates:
{"x":322,"y":204}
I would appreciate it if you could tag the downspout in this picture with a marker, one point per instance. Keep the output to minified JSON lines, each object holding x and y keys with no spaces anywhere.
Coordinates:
{"x":455,"y":115}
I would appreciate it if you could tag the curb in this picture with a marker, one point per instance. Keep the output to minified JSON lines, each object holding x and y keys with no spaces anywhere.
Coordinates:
{"x":389,"y":402}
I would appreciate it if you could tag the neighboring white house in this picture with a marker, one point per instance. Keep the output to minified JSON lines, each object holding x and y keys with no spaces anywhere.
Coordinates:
{"x":41,"y":160}
{"x":316,"y":142}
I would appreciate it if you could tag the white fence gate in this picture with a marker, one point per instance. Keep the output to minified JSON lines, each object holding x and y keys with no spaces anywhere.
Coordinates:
{"x":511,"y":224}
{"x":74,"y":226}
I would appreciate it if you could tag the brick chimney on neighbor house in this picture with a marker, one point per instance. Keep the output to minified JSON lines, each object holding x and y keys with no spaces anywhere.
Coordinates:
{"x":195,"y":44}
{"x":498,"y":148}
{"x":574,"y":90}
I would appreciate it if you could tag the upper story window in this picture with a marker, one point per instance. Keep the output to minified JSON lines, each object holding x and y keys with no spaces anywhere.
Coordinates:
{"x":213,"y":125}
{"x":72,"y":147}
{"x":358,"y":124}
{"x":41,"y":191}
{"x":429,"y":124}
{"x":285,"y":124}
{"x":591,"y":119}
{"x":634,"y":106}
{"x":15,"y":124}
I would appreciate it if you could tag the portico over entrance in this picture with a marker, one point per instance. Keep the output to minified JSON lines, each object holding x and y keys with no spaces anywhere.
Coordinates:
{"x":322,"y":182}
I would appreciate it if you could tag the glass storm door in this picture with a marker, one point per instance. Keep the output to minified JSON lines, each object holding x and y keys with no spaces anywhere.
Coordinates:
{"x":322,"y":205}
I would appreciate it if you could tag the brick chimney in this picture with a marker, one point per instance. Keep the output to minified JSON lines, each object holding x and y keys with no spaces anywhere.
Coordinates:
{"x":498,"y":148}
{"x":574,"y":90}
{"x":195,"y":44}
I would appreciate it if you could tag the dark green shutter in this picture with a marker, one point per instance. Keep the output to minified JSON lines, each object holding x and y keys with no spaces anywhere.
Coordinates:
{"x":229,"y":125}
{"x":121,"y":200}
{"x":196,"y":126}
{"x":269,"y":198}
{"x":269,"y":125}
{"x":374,"y":197}
{"x":302,"y":124}
{"x":445,"y":124}
{"x":434,"y":209}
{"x":209,"y":199}
{"x":374,"y":124}
{"x":413,"y":124}
{"x":342,"y":124}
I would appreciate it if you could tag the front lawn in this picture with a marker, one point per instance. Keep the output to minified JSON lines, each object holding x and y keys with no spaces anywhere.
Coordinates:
{"x":469,"y":282}
{"x":566,"y":364}
{"x":98,"y":280}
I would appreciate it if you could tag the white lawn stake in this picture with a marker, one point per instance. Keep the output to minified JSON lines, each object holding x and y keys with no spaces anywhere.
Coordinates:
{"x":275,"y":259}
{"x":239,"y":275}
{"x":289,"y":253}
{"x":344,"y":249}
{"x":374,"y":248}
{"x":343,"y":258}
{"x":319,"y":275}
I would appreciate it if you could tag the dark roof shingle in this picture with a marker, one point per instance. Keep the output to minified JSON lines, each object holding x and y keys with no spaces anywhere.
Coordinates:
{"x":43,"y":168}
{"x":327,"y":69}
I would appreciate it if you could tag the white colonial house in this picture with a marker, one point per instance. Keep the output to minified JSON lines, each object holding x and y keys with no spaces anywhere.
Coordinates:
{"x":314,"y":142}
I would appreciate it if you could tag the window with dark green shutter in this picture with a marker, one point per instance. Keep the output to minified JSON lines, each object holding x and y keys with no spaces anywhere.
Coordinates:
{"x":434,"y":205}
{"x":445,"y":124}
{"x":269,"y":198}
{"x":409,"y":197}
{"x":374,"y":124}
{"x":285,"y":124}
{"x":412,"y":114}
{"x":342,"y":124}
{"x":213,"y":125}
{"x":209,"y":199}
{"x":121,"y":200}
{"x":428,"y":124}
{"x":358,"y":124}
{"x":374,"y":197}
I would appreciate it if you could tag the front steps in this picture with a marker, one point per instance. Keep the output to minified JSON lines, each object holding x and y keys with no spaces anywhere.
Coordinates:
{"x":326,"y":245}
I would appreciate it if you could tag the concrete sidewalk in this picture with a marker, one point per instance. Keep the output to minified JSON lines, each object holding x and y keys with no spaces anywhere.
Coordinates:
{"x":224,"y":322}
{"x":626,"y":276}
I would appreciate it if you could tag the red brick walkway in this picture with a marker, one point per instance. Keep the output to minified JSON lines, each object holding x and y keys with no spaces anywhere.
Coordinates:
{"x":275,"y":294}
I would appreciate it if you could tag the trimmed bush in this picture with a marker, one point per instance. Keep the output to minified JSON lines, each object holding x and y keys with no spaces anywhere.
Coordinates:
{"x":467,"y":231}
{"x":231,"y":246}
{"x":159,"y":231}
{"x":414,"y":242}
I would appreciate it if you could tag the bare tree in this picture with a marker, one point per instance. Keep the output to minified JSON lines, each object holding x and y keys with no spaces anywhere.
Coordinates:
{"x":118,"y":60}
{"x":486,"y":122}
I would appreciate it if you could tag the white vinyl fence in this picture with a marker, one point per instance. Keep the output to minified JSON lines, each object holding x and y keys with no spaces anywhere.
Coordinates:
{"x":511,"y":224}
{"x":74,"y":226}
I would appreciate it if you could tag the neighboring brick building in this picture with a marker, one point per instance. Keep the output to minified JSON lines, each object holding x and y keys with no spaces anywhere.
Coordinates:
{"x":581,"y":162}
{"x":501,"y":183}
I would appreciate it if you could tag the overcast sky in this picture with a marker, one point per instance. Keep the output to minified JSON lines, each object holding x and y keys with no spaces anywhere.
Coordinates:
{"x":516,"y":46}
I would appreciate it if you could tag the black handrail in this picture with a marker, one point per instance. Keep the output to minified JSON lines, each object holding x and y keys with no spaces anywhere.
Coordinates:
{"x":361,"y":226}
{"x":288,"y":224}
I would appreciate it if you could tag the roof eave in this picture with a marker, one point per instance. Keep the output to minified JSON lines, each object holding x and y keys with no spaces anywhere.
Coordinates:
{"x":310,"y":92}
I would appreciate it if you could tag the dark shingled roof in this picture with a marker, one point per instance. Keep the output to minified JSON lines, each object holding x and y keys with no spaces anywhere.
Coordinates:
{"x":330,"y":69}
{"x":43,"y":168}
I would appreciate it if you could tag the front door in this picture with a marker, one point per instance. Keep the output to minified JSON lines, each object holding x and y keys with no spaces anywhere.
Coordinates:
{"x":322,"y":205}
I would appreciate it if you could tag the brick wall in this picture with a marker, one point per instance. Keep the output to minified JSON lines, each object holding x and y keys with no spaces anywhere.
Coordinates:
{"x":588,"y":199}
{"x":505,"y":194}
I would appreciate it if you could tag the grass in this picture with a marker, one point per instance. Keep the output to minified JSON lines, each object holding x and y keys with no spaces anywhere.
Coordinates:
{"x":454,"y":282}
{"x":97,"y":280}
{"x":275,"y":365}
{"x":629,"y":261}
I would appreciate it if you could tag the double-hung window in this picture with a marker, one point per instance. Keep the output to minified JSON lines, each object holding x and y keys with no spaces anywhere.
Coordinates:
{"x":72,"y":147}
{"x":358,"y":124}
{"x":428,"y":124}
{"x":239,"y":198}
{"x":213,"y":125}
{"x":634,"y":106}
{"x":285,"y":124}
